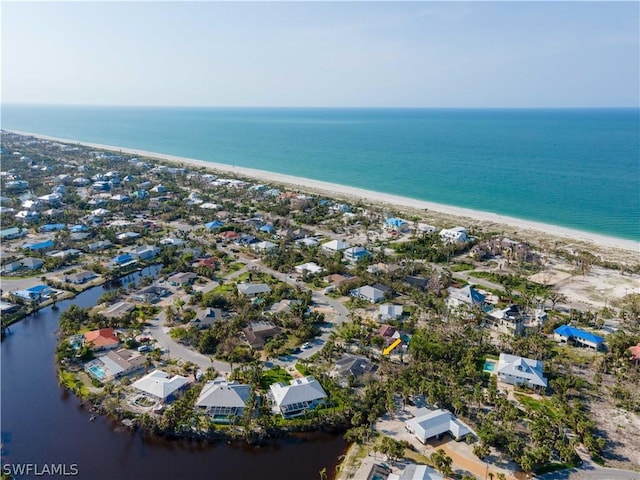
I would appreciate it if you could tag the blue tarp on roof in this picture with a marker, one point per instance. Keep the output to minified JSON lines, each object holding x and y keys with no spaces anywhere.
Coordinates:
{"x":78,"y":228}
{"x":38,"y":246}
{"x":568,"y":331}
{"x":213,"y":225}
{"x":123,"y":258}
{"x":395,"y":222}
{"x":268,"y":228}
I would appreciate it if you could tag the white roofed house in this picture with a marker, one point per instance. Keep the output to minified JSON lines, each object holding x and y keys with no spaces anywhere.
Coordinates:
{"x":429,"y":424}
{"x":508,"y":320}
{"x":160,"y":385}
{"x":516,"y":370}
{"x":369,"y":293}
{"x":334,"y":246}
{"x":308,"y":268}
{"x":466,"y":296}
{"x":222,"y":400}
{"x":454,"y":235}
{"x":301,"y":395}
{"x":389,"y":312}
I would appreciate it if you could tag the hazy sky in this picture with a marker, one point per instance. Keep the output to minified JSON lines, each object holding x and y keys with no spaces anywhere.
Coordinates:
{"x":422,"y":54}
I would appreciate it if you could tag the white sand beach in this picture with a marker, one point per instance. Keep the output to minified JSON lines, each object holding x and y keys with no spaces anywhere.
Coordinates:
{"x":493,"y":220}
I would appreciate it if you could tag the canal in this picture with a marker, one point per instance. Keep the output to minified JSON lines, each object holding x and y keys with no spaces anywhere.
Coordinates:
{"x":43,"y":425}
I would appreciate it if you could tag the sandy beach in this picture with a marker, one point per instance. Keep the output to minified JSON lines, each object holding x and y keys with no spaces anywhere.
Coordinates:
{"x":488,"y":219}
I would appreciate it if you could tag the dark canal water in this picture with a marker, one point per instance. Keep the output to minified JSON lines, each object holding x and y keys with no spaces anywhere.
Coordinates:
{"x":44,"y":425}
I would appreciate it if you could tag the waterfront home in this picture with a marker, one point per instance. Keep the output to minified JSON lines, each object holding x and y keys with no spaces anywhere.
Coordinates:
{"x":12,"y":233}
{"x":509,"y":320}
{"x":516,"y":370}
{"x":145,"y":252}
{"x":369,"y":293}
{"x":102,"y":339}
{"x":308,"y":268}
{"x":222,"y":400}
{"x":150,"y":294}
{"x":428,"y":424}
{"x":389,"y":311}
{"x":466,"y":297}
{"x":253,"y":289}
{"x":181,"y":279}
{"x":416,"y":472}
{"x":454,"y":235}
{"x":124,"y":260}
{"x":160,"y":385}
{"x":334,"y":246}
{"x":301,"y":395}
{"x":118,"y":309}
{"x":115,"y":364}
{"x":206,"y":317}
{"x":355,"y":254}
{"x":36,"y":293}
{"x":576,"y":336}
{"x":80,"y":278}
{"x":259,"y":333}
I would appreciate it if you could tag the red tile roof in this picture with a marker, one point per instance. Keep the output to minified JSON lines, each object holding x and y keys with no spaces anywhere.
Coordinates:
{"x":105,"y":337}
{"x":635,"y":352}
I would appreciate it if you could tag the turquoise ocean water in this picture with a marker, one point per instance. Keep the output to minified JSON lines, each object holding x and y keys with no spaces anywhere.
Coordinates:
{"x":577,"y":168}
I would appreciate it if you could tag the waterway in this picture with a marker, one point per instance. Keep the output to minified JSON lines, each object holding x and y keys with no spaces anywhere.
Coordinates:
{"x":44,"y":425}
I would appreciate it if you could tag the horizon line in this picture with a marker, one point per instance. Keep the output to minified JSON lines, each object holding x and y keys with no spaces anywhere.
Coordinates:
{"x":332,"y":107}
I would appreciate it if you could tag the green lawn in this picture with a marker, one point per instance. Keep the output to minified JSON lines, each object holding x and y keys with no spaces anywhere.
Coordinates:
{"x":275,"y":375}
{"x":543,"y":406}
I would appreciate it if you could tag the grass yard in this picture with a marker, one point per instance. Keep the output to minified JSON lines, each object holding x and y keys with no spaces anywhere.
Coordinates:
{"x":275,"y":375}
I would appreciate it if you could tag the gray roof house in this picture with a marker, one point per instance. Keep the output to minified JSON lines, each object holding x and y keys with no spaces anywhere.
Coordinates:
{"x":300,"y":395}
{"x":429,"y":424}
{"x":352,"y":366}
{"x":253,"y":289}
{"x":516,"y":370}
{"x":206,"y":317}
{"x":368,"y":293}
{"x":222,"y":400}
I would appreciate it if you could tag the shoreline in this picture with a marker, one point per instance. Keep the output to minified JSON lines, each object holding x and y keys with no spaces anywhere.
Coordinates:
{"x":368,"y":196}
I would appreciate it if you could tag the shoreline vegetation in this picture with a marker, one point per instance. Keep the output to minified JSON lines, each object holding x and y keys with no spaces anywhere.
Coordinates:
{"x":442,"y":348}
{"x":487,"y":220}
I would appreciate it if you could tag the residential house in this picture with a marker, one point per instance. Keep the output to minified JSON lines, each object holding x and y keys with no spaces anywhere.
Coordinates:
{"x":397,"y":225}
{"x":428,"y":424}
{"x":258,"y":333}
{"x":414,"y":471}
{"x":99,"y":246}
{"x":454,"y":235}
{"x":213,"y":225}
{"x":369,"y":293}
{"x":415,"y":281}
{"x":508,"y":320}
{"x":264,"y":247}
{"x":176,"y":242}
{"x":229,"y":236}
{"x":355,"y":254}
{"x":253,"y":289}
{"x":146,"y":252}
{"x":352,"y":367}
{"x":39,"y":246}
{"x":516,"y":370}
{"x":115,"y":364}
{"x":150,"y":294}
{"x":181,"y":279}
{"x":206,"y":317}
{"x":28,"y":263}
{"x":568,"y":334}
{"x":301,"y":395}
{"x":12,"y":233}
{"x":334,"y":246}
{"x":465,"y":297}
{"x":80,"y":278}
{"x":117,"y":310}
{"x":389,"y":311}
{"x":222,"y":400}
{"x":160,"y":385}
{"x":124,"y":260}
{"x":102,"y":339}
{"x":33,"y":294}
{"x":308,"y":268}
{"x":127,"y":236}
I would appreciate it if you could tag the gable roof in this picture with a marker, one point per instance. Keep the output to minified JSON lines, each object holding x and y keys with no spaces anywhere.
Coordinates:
{"x":436,"y":423}
{"x":522,"y":368}
{"x":569,"y":331}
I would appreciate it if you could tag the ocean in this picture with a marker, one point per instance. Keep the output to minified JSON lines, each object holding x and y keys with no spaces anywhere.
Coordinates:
{"x":575,"y":168}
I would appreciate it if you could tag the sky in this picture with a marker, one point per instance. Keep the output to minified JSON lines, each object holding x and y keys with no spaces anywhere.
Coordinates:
{"x":322,"y":54}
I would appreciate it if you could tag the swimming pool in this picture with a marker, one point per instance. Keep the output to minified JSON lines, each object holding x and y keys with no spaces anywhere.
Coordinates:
{"x":489,"y":365}
{"x":97,"y":371}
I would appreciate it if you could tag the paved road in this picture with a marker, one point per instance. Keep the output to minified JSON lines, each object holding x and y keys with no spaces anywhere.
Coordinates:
{"x":8,"y":284}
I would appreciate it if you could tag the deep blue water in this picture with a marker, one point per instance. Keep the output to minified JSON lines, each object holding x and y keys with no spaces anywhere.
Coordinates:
{"x":577,"y":168}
